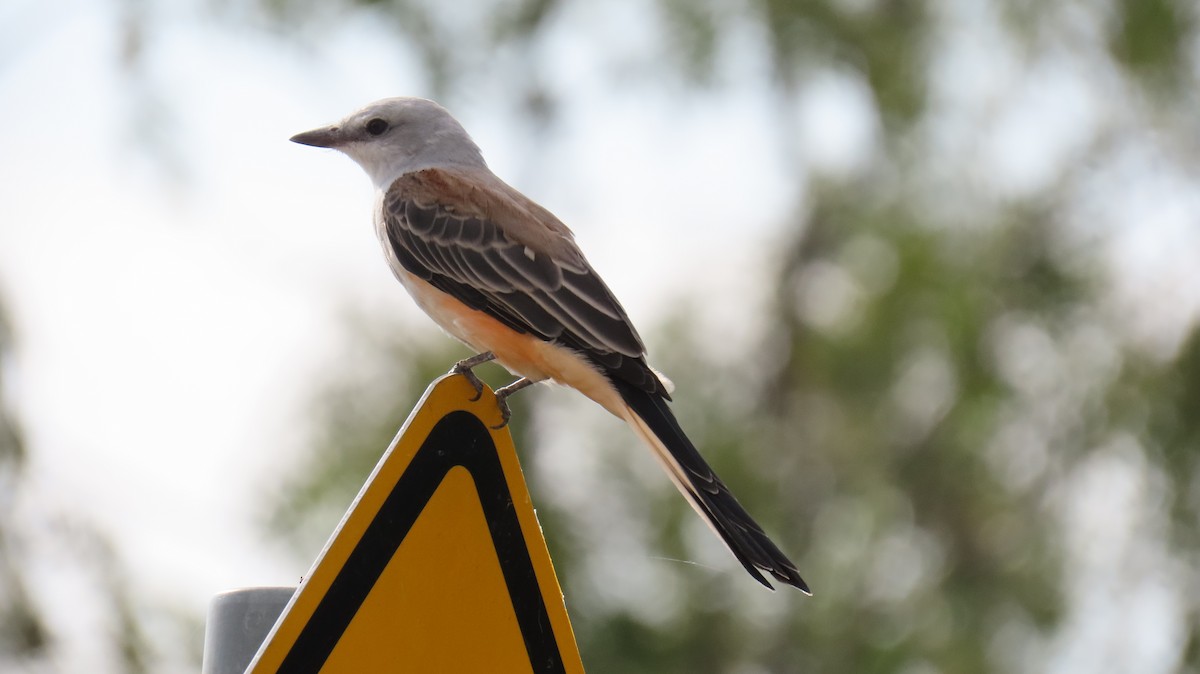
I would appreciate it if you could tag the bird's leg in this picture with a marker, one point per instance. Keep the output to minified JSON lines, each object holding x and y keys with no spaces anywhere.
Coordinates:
{"x":464,"y":366}
{"x":502,"y":395}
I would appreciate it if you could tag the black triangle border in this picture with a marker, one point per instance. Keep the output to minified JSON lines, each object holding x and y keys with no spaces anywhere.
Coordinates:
{"x":458,"y":439}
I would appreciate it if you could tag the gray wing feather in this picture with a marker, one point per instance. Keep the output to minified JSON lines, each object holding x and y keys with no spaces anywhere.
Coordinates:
{"x":474,"y":260}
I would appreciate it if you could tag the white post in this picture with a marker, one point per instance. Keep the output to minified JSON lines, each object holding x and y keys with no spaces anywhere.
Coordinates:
{"x":238,"y":621}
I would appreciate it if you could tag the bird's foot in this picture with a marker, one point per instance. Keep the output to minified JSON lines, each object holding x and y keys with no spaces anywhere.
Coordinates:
{"x":464,"y":366}
{"x":502,"y":395}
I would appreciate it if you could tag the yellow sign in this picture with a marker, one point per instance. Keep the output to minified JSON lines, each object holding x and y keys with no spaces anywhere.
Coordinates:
{"x":439,"y":565}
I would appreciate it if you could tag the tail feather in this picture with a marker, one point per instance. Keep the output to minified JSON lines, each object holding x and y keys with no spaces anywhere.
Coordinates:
{"x":649,"y":415}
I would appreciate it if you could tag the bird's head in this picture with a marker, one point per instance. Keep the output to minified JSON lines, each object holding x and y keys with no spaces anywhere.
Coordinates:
{"x":394,"y":136}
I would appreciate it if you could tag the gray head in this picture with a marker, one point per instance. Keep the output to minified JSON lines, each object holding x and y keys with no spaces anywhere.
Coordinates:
{"x":395,"y":136}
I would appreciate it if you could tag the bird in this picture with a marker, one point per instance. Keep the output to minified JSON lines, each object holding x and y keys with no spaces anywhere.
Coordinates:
{"x":505,"y":276}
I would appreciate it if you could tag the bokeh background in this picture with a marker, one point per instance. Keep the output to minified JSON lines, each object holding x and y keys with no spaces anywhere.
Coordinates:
{"x":925,"y":273}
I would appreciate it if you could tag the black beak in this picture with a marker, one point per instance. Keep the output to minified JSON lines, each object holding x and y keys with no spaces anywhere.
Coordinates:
{"x":329,"y":136}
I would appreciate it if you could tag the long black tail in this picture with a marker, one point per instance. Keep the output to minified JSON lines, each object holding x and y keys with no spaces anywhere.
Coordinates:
{"x":653,"y":419}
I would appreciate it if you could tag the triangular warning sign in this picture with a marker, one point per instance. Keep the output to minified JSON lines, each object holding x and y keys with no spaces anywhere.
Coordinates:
{"x":438,"y":566}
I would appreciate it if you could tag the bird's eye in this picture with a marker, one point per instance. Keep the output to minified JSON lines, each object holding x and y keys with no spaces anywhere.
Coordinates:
{"x":377,"y":127}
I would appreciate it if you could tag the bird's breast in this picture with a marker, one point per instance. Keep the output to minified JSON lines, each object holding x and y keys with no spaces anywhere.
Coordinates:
{"x":522,"y":354}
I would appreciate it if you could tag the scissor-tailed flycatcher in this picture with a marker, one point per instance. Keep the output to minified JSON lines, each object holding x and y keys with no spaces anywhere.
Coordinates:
{"x":502,"y":274}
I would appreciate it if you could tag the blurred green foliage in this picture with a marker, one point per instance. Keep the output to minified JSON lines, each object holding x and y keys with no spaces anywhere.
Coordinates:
{"x":1152,"y":37}
{"x":23,"y":633}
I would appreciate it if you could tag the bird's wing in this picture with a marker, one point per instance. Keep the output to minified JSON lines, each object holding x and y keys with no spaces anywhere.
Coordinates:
{"x":482,"y":242}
